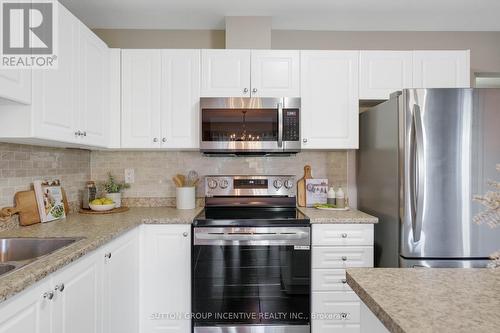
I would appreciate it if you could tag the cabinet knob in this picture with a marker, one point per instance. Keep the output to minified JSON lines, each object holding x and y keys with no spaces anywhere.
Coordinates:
{"x":344,"y":235}
{"x":107,"y":255}
{"x":84,"y":133}
{"x":164,"y":140}
{"x":344,"y":281}
{"x":344,"y":258}
{"x":78,"y":133}
{"x":155,"y":139}
{"x":59,"y":287}
{"x":245,"y":90}
{"x":254,"y":90}
{"x":304,"y":140}
{"x":185,"y":234}
{"x":48,"y":295}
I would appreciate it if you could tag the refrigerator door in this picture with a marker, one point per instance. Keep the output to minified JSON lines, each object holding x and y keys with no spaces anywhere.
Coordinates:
{"x":440,"y":263}
{"x":449,"y":148}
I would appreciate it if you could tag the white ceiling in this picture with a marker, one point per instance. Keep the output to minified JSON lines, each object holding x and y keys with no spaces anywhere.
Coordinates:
{"x":408,"y":15}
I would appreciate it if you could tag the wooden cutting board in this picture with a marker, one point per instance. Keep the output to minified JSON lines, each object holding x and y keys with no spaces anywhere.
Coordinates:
{"x":301,"y":186}
{"x":27,"y":208}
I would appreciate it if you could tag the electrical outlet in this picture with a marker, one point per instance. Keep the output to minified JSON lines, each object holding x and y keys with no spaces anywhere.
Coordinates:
{"x":129,"y":176}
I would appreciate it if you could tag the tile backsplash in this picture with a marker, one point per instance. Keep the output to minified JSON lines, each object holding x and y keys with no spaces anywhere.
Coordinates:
{"x":154,"y":170}
{"x":20,"y":165}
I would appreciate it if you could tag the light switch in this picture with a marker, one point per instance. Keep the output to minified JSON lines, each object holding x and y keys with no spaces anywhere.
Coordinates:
{"x":129,"y":176}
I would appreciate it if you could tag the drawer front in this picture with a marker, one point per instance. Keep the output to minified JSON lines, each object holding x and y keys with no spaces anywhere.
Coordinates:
{"x":342,"y":234}
{"x":329,"y":280}
{"x":342,"y":257}
{"x":337,"y":308}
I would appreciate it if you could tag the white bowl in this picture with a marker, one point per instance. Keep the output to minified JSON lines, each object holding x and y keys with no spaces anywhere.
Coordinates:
{"x":101,"y":208}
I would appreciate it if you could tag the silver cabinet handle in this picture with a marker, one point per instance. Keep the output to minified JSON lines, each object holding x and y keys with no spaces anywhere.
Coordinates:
{"x":245,"y":90}
{"x":59,"y":287}
{"x":107,"y":255}
{"x":164,"y":140}
{"x":78,"y":133}
{"x":155,"y":139}
{"x":185,"y":234}
{"x":344,"y":235}
{"x":344,"y":281}
{"x":254,"y":90}
{"x":48,"y":295}
{"x":344,"y":258}
{"x":304,"y":140}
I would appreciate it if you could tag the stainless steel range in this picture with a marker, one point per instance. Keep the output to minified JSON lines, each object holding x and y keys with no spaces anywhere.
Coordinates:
{"x":251,"y":258}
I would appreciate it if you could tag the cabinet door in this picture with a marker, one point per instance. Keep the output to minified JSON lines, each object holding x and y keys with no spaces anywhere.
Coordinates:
{"x":15,"y":85}
{"x":77,"y":306}
{"x":441,"y":69}
{"x":55,"y":103}
{"x":165,"y":278}
{"x":180,"y":96}
{"x":121,"y":284}
{"x":275,"y":73}
{"x":384,"y":72}
{"x":225,"y":73}
{"x":27,"y":312}
{"x":94,"y":89}
{"x":330,"y":103}
{"x":141,"y":79}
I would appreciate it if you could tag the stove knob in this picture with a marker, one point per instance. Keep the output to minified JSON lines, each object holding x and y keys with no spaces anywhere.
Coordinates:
{"x":223,"y":184}
{"x":278,"y":184}
{"x":212,"y":184}
{"x":288,"y":184}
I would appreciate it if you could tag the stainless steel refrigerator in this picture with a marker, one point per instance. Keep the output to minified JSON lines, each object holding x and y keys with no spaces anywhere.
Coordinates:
{"x":423,"y":156}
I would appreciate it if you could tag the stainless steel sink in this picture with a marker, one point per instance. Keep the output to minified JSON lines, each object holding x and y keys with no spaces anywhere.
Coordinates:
{"x":18,"y":252}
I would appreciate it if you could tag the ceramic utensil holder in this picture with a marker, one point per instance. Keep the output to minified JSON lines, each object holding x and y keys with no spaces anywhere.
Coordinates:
{"x":186,"y":197}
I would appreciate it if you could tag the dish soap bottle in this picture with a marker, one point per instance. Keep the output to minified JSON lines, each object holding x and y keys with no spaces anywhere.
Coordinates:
{"x":340,"y":198}
{"x":331,"y":197}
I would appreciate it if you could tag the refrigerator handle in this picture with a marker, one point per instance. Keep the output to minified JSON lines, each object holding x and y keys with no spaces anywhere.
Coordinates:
{"x":417,"y":173}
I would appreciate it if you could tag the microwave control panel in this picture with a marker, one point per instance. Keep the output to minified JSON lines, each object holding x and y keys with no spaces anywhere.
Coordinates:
{"x":291,"y":125}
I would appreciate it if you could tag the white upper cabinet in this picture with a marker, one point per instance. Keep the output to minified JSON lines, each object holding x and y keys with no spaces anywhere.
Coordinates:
{"x":275,"y":73}
{"x":329,"y":89}
{"x":141,"y":80}
{"x":384,"y":72}
{"x":225,"y":73}
{"x":94,"y":89}
{"x":15,"y":85}
{"x":441,"y":69}
{"x":180,"y":97}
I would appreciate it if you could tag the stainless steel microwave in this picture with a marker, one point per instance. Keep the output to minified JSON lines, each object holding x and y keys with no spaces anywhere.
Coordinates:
{"x":250,"y":125}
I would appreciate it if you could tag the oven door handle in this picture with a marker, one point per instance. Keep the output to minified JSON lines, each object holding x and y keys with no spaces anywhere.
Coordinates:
{"x":252,"y":237}
{"x":280,"y":125}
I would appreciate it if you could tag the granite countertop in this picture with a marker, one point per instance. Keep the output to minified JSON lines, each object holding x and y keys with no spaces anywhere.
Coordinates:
{"x":334,"y":216}
{"x":97,"y":230}
{"x":430,"y":300}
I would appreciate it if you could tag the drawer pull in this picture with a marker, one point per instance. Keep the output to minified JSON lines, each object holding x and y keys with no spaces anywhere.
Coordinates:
{"x":344,"y":235}
{"x":344,"y":281}
{"x":344,"y":258}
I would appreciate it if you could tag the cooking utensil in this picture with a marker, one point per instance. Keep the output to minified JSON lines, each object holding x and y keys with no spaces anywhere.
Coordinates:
{"x":192,"y":178}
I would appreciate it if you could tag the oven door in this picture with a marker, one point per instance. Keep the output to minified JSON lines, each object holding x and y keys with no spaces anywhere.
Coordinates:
{"x":251,"y":279}
{"x":249,"y":125}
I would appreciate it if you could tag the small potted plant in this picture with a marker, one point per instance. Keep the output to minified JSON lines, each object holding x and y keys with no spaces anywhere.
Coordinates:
{"x":113,"y":190}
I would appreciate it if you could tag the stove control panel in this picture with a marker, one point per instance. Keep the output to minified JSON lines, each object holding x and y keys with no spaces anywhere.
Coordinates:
{"x":249,"y":186}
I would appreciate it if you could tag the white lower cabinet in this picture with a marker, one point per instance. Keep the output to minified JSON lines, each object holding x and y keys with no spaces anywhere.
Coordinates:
{"x":165,"y":280}
{"x":335,"y":247}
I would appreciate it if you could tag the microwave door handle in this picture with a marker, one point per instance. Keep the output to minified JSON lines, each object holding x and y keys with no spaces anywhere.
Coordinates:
{"x":280,"y":125}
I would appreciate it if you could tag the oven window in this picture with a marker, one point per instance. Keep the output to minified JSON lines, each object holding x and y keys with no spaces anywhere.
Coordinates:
{"x":263,"y":285}
{"x":240,"y":125}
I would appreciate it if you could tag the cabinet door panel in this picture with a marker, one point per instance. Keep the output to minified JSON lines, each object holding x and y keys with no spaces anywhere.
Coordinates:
{"x":342,"y":257}
{"x":121,"y":285}
{"x":141,"y":79}
{"x":77,"y":309}
{"x":94,"y":89}
{"x":225,"y":73}
{"x":441,"y":69}
{"x":55,"y":102}
{"x":180,"y":96}
{"x":166,"y":271}
{"x":330,"y":104}
{"x":384,"y":72}
{"x":342,"y":234}
{"x":275,"y":73}
{"x":15,"y":85}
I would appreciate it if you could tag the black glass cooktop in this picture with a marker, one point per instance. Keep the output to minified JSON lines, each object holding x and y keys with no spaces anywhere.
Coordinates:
{"x":250,"y":216}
